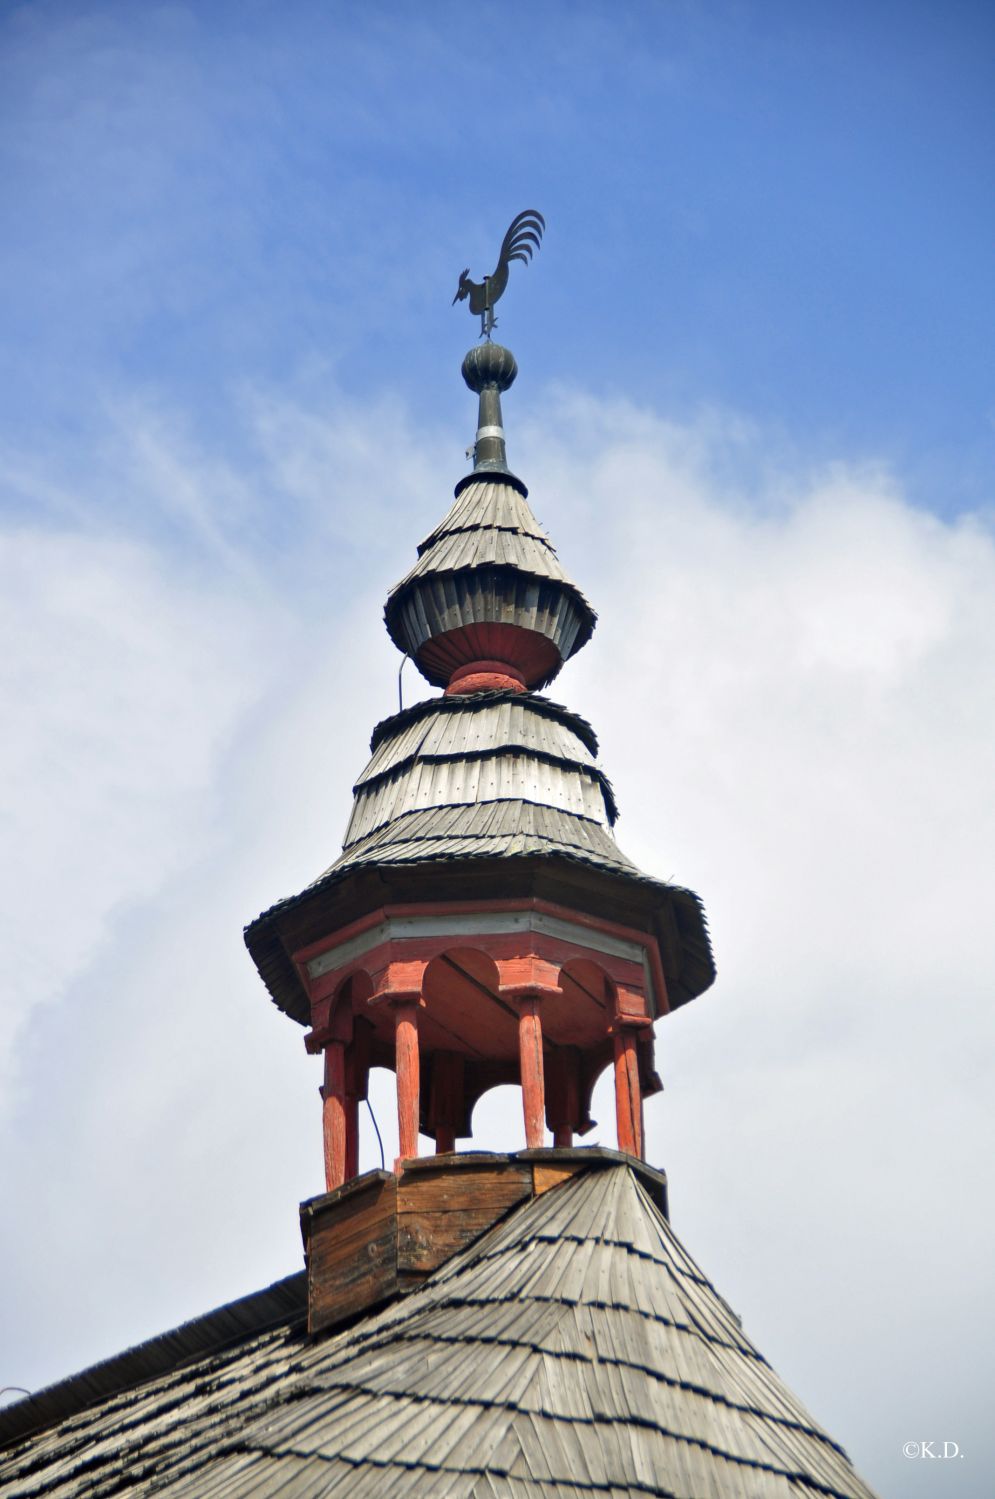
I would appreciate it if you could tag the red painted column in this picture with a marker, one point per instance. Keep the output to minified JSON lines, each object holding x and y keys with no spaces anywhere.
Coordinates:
{"x":530,"y":1062}
{"x":628,"y":1096}
{"x":351,"y":1137}
{"x":445,"y":1113}
{"x":334,"y":1115}
{"x":406,"y":1065}
{"x":563,"y":1095}
{"x":357,"y":1072}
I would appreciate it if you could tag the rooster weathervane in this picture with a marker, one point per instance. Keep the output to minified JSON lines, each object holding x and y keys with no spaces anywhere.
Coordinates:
{"x":524,"y":235}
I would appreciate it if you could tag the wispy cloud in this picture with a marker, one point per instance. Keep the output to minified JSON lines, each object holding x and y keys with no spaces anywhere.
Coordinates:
{"x":791,"y":683}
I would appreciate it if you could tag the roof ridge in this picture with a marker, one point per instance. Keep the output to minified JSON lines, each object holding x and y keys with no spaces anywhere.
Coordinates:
{"x":210,"y":1332}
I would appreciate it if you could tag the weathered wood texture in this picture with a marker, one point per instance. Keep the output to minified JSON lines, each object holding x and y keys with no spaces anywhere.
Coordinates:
{"x":408,"y":1072}
{"x":628,"y":1102}
{"x":334,"y":1115}
{"x":530,"y":1067}
{"x":350,"y":1248}
{"x":381,"y":1234}
{"x":488,"y":562}
{"x":443,"y":1206}
{"x":487,"y":798}
{"x":575,"y":1349}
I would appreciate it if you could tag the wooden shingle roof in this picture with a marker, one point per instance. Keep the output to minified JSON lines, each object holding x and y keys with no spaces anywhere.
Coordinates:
{"x":487,"y":561}
{"x":574,"y":1350}
{"x":474,"y":752}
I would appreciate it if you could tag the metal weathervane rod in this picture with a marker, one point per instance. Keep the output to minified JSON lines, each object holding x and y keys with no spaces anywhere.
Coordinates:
{"x":524,"y":235}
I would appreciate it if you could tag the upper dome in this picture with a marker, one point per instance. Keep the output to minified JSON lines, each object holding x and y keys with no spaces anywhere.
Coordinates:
{"x":488,"y":604}
{"x":489,"y":364}
{"x":489,"y":589}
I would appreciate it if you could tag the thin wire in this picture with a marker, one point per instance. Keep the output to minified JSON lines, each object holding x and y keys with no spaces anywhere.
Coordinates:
{"x":400,"y":698}
{"x":8,"y":1388}
{"x":377,"y":1128}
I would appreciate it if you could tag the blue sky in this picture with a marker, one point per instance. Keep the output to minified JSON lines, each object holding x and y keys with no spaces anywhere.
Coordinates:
{"x":755,"y":411}
{"x":780,"y":208}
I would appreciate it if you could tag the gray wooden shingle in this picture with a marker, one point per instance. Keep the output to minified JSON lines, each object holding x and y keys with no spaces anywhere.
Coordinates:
{"x":524,"y":760}
{"x":576,"y":1349}
{"x":488,"y":561}
{"x":487,"y":505}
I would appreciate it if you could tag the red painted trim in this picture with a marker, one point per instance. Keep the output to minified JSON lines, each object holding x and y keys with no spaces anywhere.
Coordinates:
{"x":303,"y":955}
{"x":520,"y":993}
{"x":629,"y":1023}
{"x":470,"y":907}
{"x":530,"y":651}
{"x":529,"y":959}
{"x":401,"y":976}
{"x":484,"y":681}
{"x":630,"y":1003}
{"x":480,"y":676}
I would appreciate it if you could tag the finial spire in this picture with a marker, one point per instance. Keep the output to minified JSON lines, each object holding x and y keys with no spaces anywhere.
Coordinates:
{"x":524,"y":233}
{"x":489,"y":369}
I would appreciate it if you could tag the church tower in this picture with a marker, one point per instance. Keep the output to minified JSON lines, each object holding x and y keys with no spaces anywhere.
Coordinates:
{"x":481,"y":925}
{"x":471,"y":1324}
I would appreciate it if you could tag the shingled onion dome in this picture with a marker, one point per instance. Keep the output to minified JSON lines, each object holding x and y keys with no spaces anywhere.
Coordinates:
{"x":488,"y":605}
{"x":481,"y":926}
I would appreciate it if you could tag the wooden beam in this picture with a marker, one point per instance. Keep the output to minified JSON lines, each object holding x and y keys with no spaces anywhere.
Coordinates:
{"x":563,"y":1107}
{"x":530,"y":1062}
{"x":446,"y":1102}
{"x":407,"y":1072}
{"x":334,"y":1127}
{"x":628,"y":1097}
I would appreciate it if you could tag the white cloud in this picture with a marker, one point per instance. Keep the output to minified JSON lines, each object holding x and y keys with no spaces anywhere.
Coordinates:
{"x":122,"y":682}
{"x":791,"y":681}
{"x":794,"y":699}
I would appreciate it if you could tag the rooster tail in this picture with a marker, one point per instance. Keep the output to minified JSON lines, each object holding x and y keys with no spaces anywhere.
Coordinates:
{"x":523,"y":237}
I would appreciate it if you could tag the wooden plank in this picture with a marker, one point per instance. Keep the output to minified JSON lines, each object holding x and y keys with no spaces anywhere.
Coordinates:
{"x":350,"y":1243}
{"x":544,"y":1177}
{"x":441,"y":1212}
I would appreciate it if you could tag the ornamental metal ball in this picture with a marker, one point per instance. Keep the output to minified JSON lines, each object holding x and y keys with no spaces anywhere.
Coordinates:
{"x":489,"y":364}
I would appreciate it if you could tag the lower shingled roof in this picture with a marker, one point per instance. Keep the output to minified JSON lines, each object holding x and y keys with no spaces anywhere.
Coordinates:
{"x":497,"y":829}
{"x":574,"y":1350}
{"x":475,"y":786}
